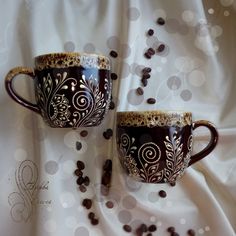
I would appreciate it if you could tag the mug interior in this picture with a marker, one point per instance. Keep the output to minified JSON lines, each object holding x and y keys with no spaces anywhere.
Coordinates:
{"x":154,"y":118}
{"x":71,"y":59}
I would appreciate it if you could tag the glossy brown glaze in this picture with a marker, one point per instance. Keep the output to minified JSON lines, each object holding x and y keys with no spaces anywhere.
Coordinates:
{"x":71,"y":89}
{"x":159,"y":153}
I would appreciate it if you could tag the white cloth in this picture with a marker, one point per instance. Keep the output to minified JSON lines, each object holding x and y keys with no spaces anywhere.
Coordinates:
{"x":195,"y":73}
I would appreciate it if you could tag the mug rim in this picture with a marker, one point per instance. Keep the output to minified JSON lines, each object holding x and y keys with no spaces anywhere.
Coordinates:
{"x":70,"y":54}
{"x":154,"y":118}
{"x":71,"y":59}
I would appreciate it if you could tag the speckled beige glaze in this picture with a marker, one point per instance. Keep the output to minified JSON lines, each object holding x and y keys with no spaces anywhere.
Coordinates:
{"x":154,"y":118}
{"x":69,"y":59}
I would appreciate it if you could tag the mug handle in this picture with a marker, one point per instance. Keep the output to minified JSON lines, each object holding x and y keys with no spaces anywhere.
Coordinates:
{"x":211,"y":145}
{"x":11,"y":91}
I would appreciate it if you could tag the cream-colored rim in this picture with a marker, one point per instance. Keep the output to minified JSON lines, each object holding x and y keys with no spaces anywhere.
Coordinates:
{"x":69,"y":59}
{"x":154,"y":118}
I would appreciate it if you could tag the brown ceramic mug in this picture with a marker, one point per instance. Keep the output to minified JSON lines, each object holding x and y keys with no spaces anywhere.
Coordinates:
{"x":156,"y":146}
{"x":71,"y":89}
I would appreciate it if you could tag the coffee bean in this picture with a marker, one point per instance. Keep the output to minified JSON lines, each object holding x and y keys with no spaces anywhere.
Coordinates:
{"x":146,"y":76}
{"x":146,"y":70}
{"x":78,"y":145}
{"x":162,"y":193}
{"x":160,"y":21}
{"x":151,"y":100}
{"x":174,"y":234}
{"x":91,"y":215}
{"x":105,"y":135}
{"x":171,"y":229}
{"x":151,"y":51}
{"x":191,"y":232}
{"x":80,"y":180}
{"x":83,"y":133}
{"x":86,"y":181}
{"x":104,"y":190}
{"x":106,"y":178}
{"x":113,"y":54}
{"x":78,"y":173}
{"x":149,"y":234}
{"x":139,"y":91}
{"x":150,"y":32}
{"x":114,"y":76}
{"x":152,"y":228}
{"x":172,"y":184}
{"x":139,"y":232}
{"x":109,"y":204}
{"x":161,"y":48}
{"x":87,"y":203}
{"x":94,"y":221}
{"x":143,"y":227}
{"x":80,"y":165}
{"x":82,"y":188}
{"x":109,"y":132}
{"x":147,"y":55}
{"x":144,"y":82}
{"x":127,"y":228}
{"x":112,"y":105}
{"x":107,"y":165}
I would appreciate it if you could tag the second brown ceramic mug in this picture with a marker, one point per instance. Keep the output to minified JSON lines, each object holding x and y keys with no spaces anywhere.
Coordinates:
{"x":71,"y":89}
{"x":156,"y":146}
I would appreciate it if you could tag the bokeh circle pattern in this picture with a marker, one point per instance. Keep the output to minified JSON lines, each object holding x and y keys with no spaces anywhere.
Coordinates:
{"x":124,"y":216}
{"x":197,"y":78}
{"x":89,"y":48}
{"x":129,"y":202}
{"x":133,"y":13}
{"x":186,"y":95}
{"x":81,"y":231}
{"x":113,"y":42}
{"x":174,"y":82}
{"x":133,"y":99}
{"x":226,"y":3}
{"x":51,"y":167}
{"x":69,"y":46}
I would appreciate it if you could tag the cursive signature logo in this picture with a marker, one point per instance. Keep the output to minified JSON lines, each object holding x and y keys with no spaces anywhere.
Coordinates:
{"x":22,"y":202}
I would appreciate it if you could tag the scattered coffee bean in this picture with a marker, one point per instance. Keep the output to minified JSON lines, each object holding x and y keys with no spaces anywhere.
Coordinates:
{"x":150,"y":32}
{"x":78,"y":145}
{"x":80,"y":165}
{"x":113,"y":54}
{"x":152,"y":228}
{"x":151,"y":100}
{"x":109,"y":132}
{"x":161,"y":48}
{"x":87,"y":203}
{"x":83,"y":133}
{"x":86,"y":181}
{"x":149,"y":234}
{"x":171,"y":229}
{"x":172,"y":184}
{"x":160,"y":21}
{"x":91,"y":215}
{"x":107,"y":165}
{"x":139,"y":91}
{"x":82,"y":188}
{"x":94,"y":221}
{"x":80,"y":180}
{"x":139,"y":232}
{"x":109,"y":204}
{"x":146,"y":76}
{"x":104,"y":190}
{"x":114,"y":76}
{"x":174,"y":234}
{"x":162,"y":193}
{"x":127,"y":228}
{"x":144,"y":82}
{"x":147,"y":55}
{"x":78,"y":173}
{"x":106,"y":178}
{"x":146,"y":70}
{"x":112,"y":105}
{"x":143,"y":227}
{"x":191,"y":232}
{"x":151,"y":51}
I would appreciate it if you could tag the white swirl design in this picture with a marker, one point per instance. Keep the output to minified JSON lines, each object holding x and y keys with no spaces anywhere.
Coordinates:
{"x":149,"y":153}
{"x":83,"y":100}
